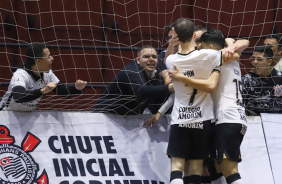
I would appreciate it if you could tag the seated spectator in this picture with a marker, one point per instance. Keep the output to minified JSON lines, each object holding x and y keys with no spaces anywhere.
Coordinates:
{"x":262,"y":85}
{"x":276,"y":45}
{"x":136,"y":87}
{"x":34,"y":79}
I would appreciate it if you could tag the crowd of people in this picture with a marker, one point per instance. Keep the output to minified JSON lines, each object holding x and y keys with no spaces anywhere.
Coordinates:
{"x":197,"y":78}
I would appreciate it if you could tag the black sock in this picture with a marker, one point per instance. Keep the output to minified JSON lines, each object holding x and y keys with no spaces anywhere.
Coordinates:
{"x":195,"y":179}
{"x":186,"y":179}
{"x":215,"y":177}
{"x":233,"y":177}
{"x":175,"y":175}
{"x":211,"y":169}
{"x":206,"y":179}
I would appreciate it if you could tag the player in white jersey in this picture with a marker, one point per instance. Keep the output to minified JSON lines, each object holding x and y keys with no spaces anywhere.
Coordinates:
{"x":231,"y":118}
{"x":190,"y":129}
{"x":34,"y":79}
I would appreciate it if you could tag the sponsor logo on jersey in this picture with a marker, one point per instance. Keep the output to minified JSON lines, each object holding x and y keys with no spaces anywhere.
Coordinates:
{"x":277,"y":90}
{"x":16,"y":164}
{"x":242,"y":115}
{"x":189,"y":113}
{"x":189,"y":73}
{"x":236,"y":72}
{"x":198,"y":125}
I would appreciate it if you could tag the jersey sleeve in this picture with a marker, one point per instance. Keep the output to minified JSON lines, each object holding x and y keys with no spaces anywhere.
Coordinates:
{"x":169,"y":103}
{"x":18,"y":79}
{"x":169,"y":62}
{"x":53,"y":77}
{"x":215,"y":57}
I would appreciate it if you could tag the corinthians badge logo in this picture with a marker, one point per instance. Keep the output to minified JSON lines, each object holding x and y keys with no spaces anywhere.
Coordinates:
{"x":16,"y":164}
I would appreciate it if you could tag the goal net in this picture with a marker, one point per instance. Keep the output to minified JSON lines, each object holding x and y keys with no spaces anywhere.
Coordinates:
{"x":92,"y":40}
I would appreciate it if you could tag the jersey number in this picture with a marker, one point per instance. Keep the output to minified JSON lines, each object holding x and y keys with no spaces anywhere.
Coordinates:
{"x":192,"y":97}
{"x":238,"y":90}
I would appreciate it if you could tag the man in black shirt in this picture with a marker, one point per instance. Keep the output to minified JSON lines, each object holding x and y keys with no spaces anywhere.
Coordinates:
{"x":262,"y":86}
{"x":136,"y":87}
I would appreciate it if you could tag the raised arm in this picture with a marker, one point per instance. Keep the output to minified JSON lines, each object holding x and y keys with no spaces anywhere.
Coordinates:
{"x":233,"y":51}
{"x":172,"y":43}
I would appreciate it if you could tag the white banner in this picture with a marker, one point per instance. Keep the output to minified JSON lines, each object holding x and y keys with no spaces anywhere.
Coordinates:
{"x":255,"y":166}
{"x":88,"y":148}
{"x":81,"y":148}
{"x":272,"y":125}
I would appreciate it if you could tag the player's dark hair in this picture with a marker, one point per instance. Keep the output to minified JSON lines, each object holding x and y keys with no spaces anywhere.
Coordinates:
{"x":215,"y":37}
{"x":170,"y":26}
{"x":34,"y":51}
{"x":184,"y":28}
{"x":200,"y":28}
{"x":266,"y":50}
{"x":144,"y":47}
{"x":276,"y":37}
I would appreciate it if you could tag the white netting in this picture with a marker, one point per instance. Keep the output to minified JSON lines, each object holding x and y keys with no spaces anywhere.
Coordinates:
{"x":93,"y":39}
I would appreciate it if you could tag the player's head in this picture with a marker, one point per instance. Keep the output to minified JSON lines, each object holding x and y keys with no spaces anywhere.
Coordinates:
{"x":38,"y":56}
{"x":169,"y":31}
{"x":275,"y":42}
{"x":147,"y":58}
{"x":212,"y":39}
{"x":184,"y":28}
{"x":261,"y":59}
{"x":199,"y":30}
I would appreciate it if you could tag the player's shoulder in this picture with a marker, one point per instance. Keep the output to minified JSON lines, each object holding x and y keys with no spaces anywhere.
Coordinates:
{"x":48,"y":75}
{"x":21,"y":72}
{"x":171,"y":57}
{"x":209,"y":51}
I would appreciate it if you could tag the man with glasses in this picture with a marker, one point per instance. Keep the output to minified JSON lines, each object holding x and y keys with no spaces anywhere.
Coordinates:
{"x":262,"y":86}
{"x":34,"y":79}
{"x":136,"y":87}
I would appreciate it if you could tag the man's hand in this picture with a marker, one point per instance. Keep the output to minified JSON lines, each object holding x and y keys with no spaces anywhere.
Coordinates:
{"x":153,"y":121}
{"x":229,"y":41}
{"x":174,"y":40}
{"x":79,"y":84}
{"x":228,"y":52}
{"x":49,"y":87}
{"x":165,"y":76}
{"x":176,"y":75}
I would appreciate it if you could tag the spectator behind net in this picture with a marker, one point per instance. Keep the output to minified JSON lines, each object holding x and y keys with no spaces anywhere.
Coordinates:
{"x":34,"y":79}
{"x":136,"y":87}
{"x":262,"y":85}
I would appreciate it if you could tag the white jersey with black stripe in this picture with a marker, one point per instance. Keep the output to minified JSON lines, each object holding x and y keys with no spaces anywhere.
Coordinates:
{"x":22,"y":78}
{"x":227,"y":97}
{"x":191,"y":105}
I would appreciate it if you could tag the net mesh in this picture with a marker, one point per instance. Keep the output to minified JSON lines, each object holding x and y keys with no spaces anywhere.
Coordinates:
{"x":92,"y":40}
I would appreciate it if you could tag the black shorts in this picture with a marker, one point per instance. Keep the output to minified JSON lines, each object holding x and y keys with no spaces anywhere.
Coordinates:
{"x":229,"y":137}
{"x":190,"y":141}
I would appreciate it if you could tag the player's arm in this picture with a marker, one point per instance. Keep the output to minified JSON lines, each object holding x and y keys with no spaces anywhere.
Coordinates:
{"x":63,"y":89}
{"x":233,"y":51}
{"x":19,"y":89}
{"x":164,"y":108}
{"x":165,"y":76}
{"x":206,"y":85}
{"x":172,"y":43}
{"x":20,"y":94}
